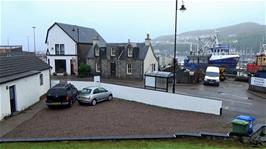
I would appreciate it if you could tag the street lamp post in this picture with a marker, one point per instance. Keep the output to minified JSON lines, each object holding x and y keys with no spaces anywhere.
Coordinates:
{"x":34,"y":39}
{"x":28,"y":43}
{"x":174,"y":59}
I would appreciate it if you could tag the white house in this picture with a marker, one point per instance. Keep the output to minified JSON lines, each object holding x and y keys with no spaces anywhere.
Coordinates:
{"x":67,"y":47}
{"x":23,"y":79}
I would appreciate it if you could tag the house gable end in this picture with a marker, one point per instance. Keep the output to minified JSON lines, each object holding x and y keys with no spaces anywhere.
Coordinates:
{"x":61,"y":29}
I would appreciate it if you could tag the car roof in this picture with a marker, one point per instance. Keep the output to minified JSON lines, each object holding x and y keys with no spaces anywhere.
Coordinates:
{"x":212,"y":68}
{"x":62,"y":85}
{"x":93,"y":87}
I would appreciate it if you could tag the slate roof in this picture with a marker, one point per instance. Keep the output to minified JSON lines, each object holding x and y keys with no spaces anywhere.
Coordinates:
{"x":141,"y":48}
{"x":86,"y":35}
{"x":15,"y":67}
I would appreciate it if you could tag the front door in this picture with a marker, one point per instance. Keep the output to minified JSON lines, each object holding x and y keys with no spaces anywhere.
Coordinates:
{"x":60,"y":66}
{"x":113,"y":69}
{"x":72,"y":67}
{"x":12,"y":95}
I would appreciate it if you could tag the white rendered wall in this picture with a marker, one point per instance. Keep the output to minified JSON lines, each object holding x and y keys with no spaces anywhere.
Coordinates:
{"x":157,"y":98}
{"x":57,"y":36}
{"x":150,"y":59}
{"x":68,"y":64}
{"x":27,"y":92}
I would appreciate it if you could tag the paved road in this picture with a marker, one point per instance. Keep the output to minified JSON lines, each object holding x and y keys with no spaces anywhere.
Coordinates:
{"x":235,"y":96}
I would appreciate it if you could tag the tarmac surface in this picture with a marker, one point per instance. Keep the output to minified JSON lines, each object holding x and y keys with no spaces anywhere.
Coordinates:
{"x":236,"y":98}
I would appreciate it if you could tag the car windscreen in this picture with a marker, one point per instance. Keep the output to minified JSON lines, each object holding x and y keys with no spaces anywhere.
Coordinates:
{"x":56,"y":92}
{"x":212,"y":74}
{"x":85,"y":91}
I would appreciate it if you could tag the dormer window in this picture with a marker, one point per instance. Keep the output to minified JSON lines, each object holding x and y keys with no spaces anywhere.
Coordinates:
{"x":97,"y":51}
{"x":130,"y":52}
{"x":113,"y":52}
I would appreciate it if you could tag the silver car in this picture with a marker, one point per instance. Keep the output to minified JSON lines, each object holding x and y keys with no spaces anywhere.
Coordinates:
{"x":92,"y":95}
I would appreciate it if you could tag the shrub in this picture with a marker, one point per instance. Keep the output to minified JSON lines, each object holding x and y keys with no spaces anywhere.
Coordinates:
{"x":84,"y":70}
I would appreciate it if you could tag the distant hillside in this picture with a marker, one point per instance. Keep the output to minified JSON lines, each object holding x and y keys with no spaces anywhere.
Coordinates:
{"x":244,"y":36}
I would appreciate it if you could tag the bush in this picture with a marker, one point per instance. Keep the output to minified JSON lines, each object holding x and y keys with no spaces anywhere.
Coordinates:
{"x":84,"y":70}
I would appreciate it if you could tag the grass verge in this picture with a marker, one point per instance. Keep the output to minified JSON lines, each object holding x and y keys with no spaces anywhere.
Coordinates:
{"x":132,"y":144}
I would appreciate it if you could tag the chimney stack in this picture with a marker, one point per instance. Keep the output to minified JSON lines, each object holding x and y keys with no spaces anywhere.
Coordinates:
{"x":148,"y":40}
{"x":95,"y":41}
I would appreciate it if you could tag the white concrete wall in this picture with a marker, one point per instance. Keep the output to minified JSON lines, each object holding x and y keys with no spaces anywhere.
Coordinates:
{"x":68,"y":64}
{"x":57,"y":36}
{"x":157,"y":98}
{"x":27,"y":92}
{"x":150,"y":59}
{"x":54,"y":82}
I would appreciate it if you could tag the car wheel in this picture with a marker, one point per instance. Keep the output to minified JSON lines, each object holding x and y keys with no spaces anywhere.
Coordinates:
{"x":93,"y":103}
{"x":110,"y":97}
{"x":70,"y":103}
{"x":50,"y":107}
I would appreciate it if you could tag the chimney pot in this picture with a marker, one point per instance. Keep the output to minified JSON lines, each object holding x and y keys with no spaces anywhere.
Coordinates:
{"x":148,"y":40}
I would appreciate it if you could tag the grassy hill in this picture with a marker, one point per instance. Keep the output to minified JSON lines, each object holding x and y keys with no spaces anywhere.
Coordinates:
{"x":243,"y":36}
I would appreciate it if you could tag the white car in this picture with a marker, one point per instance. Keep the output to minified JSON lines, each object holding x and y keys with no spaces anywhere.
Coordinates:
{"x":212,"y":76}
{"x":93,"y":95}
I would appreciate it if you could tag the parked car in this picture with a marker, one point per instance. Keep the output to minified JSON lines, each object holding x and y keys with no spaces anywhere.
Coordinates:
{"x":93,"y":95}
{"x":212,"y":76}
{"x":61,"y":94}
{"x":242,"y":75}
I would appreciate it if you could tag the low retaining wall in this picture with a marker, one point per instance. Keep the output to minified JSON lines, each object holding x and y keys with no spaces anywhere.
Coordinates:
{"x":157,"y":98}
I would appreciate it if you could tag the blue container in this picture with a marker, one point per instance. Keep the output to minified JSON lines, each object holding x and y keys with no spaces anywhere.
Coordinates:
{"x":248,"y":119}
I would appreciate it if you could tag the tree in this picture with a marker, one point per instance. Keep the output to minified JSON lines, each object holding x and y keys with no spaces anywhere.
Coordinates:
{"x":84,"y":70}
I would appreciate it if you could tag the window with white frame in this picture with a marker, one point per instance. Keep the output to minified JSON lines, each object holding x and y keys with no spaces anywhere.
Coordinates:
{"x":152,"y":67}
{"x":98,"y":67}
{"x":113,"y":52}
{"x":97,"y":51}
{"x":129,"y":69}
{"x":41,"y":79}
{"x":59,"y":49}
{"x":130,"y":52}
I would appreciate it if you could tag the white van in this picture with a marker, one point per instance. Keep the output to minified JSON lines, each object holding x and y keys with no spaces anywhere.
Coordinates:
{"x":212,"y":76}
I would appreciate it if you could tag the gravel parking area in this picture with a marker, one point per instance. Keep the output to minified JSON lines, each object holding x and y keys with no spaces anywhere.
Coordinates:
{"x":115,"y":118}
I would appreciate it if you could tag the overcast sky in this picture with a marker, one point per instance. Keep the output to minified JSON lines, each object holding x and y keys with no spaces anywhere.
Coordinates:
{"x":120,"y":20}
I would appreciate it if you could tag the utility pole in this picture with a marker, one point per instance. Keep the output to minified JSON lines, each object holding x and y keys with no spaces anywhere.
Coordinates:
{"x":34,"y":39}
{"x":28,"y":43}
{"x":7,"y":41}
